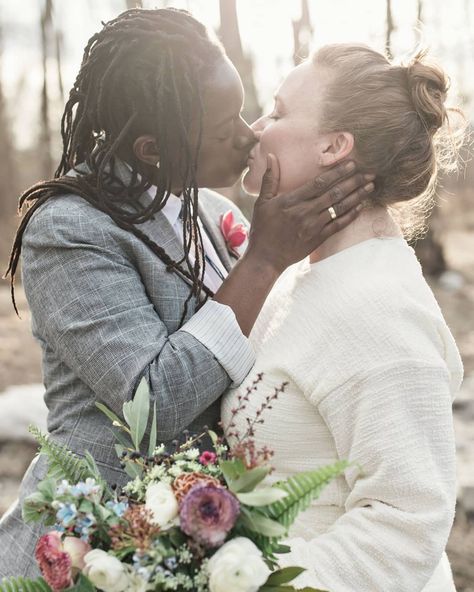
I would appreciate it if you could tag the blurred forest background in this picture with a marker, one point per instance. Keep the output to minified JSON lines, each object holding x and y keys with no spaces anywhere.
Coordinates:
{"x":41,"y":43}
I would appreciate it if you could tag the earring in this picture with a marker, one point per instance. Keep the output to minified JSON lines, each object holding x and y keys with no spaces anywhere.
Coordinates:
{"x":158,"y":164}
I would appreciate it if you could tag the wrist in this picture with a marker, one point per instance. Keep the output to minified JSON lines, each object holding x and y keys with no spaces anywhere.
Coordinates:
{"x":260,"y":267}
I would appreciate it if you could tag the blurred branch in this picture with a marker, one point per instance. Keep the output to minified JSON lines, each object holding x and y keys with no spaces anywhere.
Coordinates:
{"x":389,"y":29}
{"x":302,"y":34}
{"x":230,"y":37}
{"x":45,"y":132}
{"x":134,"y":4}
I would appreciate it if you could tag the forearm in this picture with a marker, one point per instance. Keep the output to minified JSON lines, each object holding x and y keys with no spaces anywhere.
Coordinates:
{"x":246,"y":289}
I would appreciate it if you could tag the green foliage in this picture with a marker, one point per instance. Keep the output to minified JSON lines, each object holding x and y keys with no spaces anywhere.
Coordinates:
{"x":302,"y":489}
{"x":137,"y":411}
{"x":247,"y":481}
{"x":64,"y":464}
{"x":19,"y":584}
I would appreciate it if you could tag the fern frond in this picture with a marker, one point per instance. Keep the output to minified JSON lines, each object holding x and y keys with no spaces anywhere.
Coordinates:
{"x":64,"y":464}
{"x":302,"y":489}
{"x":20,"y":584}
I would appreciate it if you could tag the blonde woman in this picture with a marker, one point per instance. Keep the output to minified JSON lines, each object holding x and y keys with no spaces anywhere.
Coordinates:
{"x":356,"y":331}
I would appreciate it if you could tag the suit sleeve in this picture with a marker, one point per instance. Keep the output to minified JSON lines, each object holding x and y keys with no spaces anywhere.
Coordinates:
{"x":90,"y":305}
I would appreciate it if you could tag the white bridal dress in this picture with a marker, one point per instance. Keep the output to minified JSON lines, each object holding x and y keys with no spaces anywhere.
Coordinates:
{"x":372,"y":370}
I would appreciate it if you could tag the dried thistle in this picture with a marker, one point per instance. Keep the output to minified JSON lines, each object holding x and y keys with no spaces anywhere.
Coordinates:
{"x":136,"y":529}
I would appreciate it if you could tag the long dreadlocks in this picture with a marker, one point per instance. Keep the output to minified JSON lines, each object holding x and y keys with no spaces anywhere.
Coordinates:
{"x":141,"y":74}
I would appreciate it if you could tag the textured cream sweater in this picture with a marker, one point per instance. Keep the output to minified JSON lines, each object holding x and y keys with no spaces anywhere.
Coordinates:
{"x":372,"y":371}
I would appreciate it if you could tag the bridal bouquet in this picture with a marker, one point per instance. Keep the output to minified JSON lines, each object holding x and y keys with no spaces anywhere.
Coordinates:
{"x":187,"y":520}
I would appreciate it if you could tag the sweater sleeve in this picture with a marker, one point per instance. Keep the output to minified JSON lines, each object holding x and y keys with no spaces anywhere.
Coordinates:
{"x":396,"y":423}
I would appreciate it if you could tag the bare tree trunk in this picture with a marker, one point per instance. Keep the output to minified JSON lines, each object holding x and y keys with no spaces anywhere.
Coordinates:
{"x":8,"y":176}
{"x":302,"y":34}
{"x":230,"y":37}
{"x":389,"y":30}
{"x":134,"y":4}
{"x":45,"y":133}
{"x":429,"y":249}
{"x":59,"y":44}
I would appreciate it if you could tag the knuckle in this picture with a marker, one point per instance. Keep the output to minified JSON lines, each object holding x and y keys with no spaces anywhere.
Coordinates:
{"x":319,"y":184}
{"x":335,"y":194}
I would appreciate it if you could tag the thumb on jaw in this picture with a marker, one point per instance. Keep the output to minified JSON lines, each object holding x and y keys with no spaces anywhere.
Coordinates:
{"x":271,"y":178}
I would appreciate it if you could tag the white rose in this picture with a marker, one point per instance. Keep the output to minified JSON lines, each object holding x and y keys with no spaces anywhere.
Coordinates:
{"x":135,"y":582}
{"x":238,"y":566}
{"x":162,"y":502}
{"x":105,"y":571}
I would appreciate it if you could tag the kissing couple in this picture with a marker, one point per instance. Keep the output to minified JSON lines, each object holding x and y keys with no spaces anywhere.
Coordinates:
{"x":134,"y":267}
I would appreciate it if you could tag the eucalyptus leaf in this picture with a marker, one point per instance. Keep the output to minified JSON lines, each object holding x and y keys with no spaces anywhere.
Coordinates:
{"x":48,"y":488}
{"x":121,"y":438}
{"x":136,"y":412}
{"x":232,"y":469}
{"x":262,"y":496}
{"x":285,"y":575}
{"x":261,"y":524}
{"x":153,"y":442}
{"x":250,"y":479}
{"x":110,"y":414}
{"x":83,"y":584}
{"x":133,"y":470}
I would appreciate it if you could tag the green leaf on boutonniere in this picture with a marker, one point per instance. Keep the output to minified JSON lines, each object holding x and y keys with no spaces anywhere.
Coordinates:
{"x":136,"y":412}
{"x":263,"y":496}
{"x":34,"y":507}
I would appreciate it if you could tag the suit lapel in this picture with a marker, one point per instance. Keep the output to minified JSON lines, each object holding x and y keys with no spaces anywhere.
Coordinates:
{"x":215,"y":236}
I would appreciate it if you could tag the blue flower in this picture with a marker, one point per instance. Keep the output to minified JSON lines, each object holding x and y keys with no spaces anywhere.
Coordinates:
{"x":63,"y":488}
{"x":118,"y":508}
{"x":85,"y":488}
{"x":66,"y":514}
{"x":83,"y":525}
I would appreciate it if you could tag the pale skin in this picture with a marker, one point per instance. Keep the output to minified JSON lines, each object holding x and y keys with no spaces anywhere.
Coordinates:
{"x":292,"y":132}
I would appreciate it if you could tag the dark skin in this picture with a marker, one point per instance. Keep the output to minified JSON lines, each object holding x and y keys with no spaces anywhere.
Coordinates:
{"x":285,"y":228}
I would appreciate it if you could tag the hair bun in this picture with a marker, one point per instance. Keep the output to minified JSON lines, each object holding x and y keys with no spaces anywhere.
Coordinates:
{"x":428,"y":86}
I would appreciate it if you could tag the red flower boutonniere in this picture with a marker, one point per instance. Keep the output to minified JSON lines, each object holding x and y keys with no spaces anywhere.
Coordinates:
{"x":234,"y":234}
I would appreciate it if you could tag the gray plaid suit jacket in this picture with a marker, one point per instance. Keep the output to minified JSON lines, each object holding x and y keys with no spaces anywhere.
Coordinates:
{"x":106,"y":312}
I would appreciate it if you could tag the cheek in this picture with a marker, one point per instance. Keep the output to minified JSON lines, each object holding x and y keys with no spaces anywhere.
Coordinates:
{"x":296,"y":152}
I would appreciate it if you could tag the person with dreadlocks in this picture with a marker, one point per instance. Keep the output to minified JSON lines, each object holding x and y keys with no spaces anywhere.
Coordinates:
{"x":124,"y":265}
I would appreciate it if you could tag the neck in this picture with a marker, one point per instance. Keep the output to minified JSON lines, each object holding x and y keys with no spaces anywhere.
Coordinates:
{"x":373,"y":222}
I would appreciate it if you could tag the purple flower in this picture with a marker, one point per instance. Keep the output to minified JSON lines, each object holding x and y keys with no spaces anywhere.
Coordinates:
{"x":207,"y":513}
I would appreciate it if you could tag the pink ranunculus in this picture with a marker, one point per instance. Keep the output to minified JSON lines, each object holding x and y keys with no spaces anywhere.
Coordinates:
{"x":77,"y":550}
{"x":208,"y":513}
{"x":55,"y":564}
{"x":208,"y":458}
{"x":234,"y":234}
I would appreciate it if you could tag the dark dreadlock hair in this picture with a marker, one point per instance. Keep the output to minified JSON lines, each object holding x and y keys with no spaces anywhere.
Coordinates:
{"x":142,"y":73}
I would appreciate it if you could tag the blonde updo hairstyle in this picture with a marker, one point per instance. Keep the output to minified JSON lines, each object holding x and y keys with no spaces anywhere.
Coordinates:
{"x":399,"y":121}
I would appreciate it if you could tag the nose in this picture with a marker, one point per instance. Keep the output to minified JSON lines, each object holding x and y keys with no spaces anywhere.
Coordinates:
{"x":259,"y":125}
{"x":247,"y":138}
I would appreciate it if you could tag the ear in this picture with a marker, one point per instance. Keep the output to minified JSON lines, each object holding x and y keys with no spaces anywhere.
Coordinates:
{"x":145,"y":149}
{"x":335,"y":147}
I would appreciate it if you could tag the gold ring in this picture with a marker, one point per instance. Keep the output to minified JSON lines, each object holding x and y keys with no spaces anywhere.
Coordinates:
{"x":332,"y":212}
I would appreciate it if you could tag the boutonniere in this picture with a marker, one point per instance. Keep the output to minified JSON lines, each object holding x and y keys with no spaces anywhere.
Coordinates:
{"x":234,"y":234}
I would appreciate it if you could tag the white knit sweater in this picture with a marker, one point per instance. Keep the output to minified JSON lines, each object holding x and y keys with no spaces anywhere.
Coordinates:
{"x":372,"y":371}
